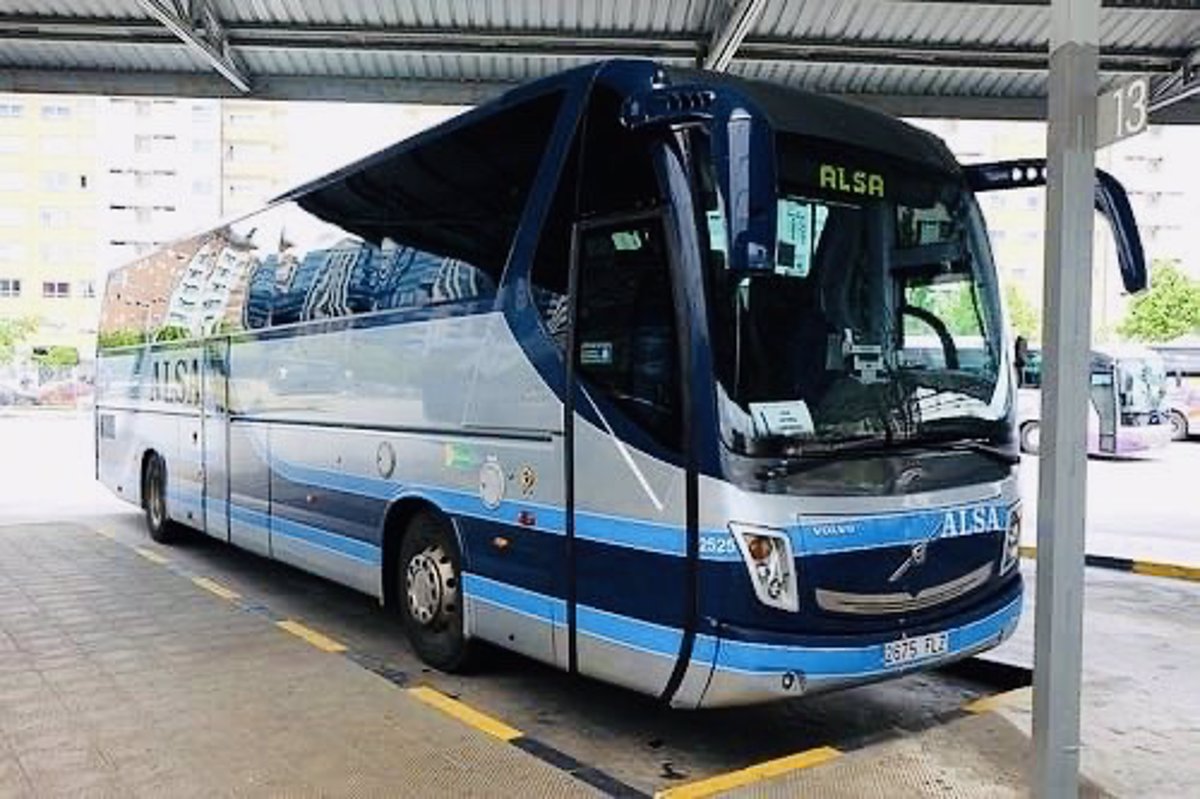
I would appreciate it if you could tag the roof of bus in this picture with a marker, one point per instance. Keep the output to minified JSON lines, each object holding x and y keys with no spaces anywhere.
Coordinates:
{"x":789,"y":110}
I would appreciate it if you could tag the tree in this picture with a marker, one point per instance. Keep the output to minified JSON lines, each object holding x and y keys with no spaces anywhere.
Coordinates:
{"x":1168,"y":309}
{"x":12,"y":333}
{"x":1024,"y":316}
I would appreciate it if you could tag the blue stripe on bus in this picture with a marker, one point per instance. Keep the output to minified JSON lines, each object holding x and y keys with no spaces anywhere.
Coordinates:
{"x":622,"y":630}
{"x":342,"y":545}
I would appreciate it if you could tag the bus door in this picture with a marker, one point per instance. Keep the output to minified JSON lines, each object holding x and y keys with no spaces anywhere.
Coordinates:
{"x":628,"y":593}
{"x":214,"y":407}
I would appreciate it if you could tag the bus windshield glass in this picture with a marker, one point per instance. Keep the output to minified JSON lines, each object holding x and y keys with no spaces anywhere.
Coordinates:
{"x":878,"y":322}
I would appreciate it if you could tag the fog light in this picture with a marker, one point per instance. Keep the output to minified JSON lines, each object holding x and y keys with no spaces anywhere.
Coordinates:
{"x":767,"y":553}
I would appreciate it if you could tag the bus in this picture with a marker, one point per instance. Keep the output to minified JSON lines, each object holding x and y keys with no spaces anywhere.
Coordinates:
{"x":1181,"y":358}
{"x":1129,"y":408}
{"x":610,"y":371}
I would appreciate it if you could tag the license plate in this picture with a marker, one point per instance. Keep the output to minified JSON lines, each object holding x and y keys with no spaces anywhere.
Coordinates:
{"x":908,"y":650}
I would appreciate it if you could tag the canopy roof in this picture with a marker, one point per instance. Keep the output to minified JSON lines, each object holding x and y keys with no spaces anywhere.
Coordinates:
{"x":964,"y":59}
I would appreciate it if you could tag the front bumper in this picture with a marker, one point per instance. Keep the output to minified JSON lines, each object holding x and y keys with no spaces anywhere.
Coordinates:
{"x":750,"y":669}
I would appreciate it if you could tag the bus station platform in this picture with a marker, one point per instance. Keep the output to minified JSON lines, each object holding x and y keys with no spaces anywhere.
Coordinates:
{"x":122,"y":678}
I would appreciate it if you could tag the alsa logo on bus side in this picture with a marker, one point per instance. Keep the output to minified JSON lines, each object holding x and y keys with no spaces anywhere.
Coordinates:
{"x":850,"y":181}
{"x":175,"y":380}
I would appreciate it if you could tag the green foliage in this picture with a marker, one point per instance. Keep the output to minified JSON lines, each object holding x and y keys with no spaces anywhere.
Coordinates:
{"x":12,"y":333}
{"x":172,"y":333}
{"x":1168,"y":309}
{"x":59,"y":356}
{"x":112,"y":339}
{"x":1025,"y":318}
{"x":953,"y":303}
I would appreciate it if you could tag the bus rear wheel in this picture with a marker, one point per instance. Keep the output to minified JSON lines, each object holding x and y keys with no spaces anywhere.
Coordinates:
{"x":154,"y":500}
{"x":430,"y":593}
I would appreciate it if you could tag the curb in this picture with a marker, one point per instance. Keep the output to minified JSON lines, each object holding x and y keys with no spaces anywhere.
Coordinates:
{"x":1152,"y":568}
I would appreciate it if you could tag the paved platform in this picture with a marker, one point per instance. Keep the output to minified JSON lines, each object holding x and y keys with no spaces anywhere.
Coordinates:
{"x":982,"y":756}
{"x":119,"y":677}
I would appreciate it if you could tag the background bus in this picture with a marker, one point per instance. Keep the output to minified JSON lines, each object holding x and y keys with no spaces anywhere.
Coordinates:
{"x":1128,"y":410}
{"x":1181,"y":359}
{"x":621,"y":371}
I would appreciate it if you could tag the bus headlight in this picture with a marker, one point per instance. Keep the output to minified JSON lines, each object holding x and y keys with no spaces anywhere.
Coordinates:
{"x":767,"y":553}
{"x":1012,"y":542}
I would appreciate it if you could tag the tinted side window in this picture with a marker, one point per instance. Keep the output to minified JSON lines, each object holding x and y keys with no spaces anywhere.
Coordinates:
{"x":419,"y":224}
{"x":626,"y":342}
{"x":617,"y":176}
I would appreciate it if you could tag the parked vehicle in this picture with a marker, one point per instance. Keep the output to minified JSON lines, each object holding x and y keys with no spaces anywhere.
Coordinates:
{"x":1128,"y":411}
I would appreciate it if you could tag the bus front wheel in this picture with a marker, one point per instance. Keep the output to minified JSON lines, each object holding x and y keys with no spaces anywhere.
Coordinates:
{"x":1179,"y":426}
{"x":430,"y":595}
{"x":154,"y":499}
{"x":1031,"y":438}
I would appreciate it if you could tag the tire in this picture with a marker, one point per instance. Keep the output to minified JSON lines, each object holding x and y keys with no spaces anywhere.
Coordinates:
{"x":154,"y":501}
{"x":429,"y":593}
{"x":1031,"y":438}
{"x":1179,"y":426}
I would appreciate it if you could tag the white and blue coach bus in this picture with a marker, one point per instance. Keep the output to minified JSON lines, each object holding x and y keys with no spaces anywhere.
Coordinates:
{"x":611,"y":371}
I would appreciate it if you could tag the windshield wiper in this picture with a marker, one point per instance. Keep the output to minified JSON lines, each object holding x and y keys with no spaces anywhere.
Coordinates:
{"x":811,"y":458}
{"x":874,"y":447}
{"x":974,"y":445}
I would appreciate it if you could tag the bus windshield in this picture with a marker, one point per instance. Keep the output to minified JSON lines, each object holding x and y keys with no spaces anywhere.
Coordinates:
{"x":878,"y":321}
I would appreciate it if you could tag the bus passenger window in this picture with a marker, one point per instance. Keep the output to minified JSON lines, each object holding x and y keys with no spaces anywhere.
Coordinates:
{"x":626,"y":344}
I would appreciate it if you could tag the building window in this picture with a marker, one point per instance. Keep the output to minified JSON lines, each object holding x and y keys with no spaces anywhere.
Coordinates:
{"x":87,"y":289}
{"x":54,"y":217}
{"x":56,"y":145}
{"x":12,"y":217}
{"x":55,"y":181}
{"x":56,"y":111}
{"x":12,"y":181}
{"x":56,"y":290}
{"x":11,"y":110}
{"x":12,"y":144}
{"x":10,"y":287}
{"x":10,"y":251}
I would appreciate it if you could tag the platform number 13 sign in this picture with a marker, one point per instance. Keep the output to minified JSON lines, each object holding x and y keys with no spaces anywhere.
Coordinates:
{"x":1123,"y":112}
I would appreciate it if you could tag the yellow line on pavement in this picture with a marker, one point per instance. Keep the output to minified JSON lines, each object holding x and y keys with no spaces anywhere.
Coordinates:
{"x":464,"y":713}
{"x":751,"y":774}
{"x":322,"y":642}
{"x":1028,"y":552}
{"x":987,"y":704}
{"x":216,"y":588}
{"x":1167,"y":570}
{"x":150,"y":555}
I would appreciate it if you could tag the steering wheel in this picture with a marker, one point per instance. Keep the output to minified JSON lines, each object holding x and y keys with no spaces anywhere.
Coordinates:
{"x":949,"y":350}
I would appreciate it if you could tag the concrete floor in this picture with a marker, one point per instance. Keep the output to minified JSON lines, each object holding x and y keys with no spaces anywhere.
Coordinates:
{"x":1142,"y":634}
{"x":121,"y":678}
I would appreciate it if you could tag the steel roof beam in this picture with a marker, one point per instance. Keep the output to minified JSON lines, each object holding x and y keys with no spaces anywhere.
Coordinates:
{"x":200,"y":29}
{"x":1183,"y":84}
{"x":729,"y":34}
{"x":535,"y":43}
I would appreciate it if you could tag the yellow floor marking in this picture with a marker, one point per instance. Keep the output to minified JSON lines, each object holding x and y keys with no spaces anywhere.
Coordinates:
{"x":465,"y":713}
{"x":216,"y":588}
{"x":996,"y":701}
{"x":1166,"y":570}
{"x":1028,"y":552}
{"x":322,"y":642}
{"x":751,"y":774}
{"x":150,"y":555}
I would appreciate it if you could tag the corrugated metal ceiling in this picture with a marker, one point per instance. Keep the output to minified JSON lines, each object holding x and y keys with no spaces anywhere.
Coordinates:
{"x":460,"y":50}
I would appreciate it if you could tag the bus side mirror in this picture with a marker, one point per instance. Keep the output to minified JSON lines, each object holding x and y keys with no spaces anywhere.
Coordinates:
{"x":1113,"y":204}
{"x":1110,"y":200}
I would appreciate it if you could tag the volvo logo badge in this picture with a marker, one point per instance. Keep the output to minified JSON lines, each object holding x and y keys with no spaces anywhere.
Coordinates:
{"x":915,"y":558}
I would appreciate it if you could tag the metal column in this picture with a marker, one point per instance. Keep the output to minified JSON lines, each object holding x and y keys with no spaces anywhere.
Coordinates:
{"x":1062,"y":490}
